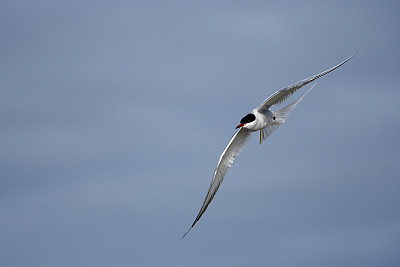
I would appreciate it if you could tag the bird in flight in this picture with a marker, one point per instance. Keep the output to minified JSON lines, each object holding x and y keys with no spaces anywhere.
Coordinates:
{"x":260,"y":119}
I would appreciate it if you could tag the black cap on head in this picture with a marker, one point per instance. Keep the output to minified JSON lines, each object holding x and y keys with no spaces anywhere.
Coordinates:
{"x":248,"y":118}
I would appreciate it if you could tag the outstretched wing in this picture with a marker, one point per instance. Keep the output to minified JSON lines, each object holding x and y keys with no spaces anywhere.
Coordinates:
{"x":281,"y":95}
{"x":280,"y":116}
{"x":231,"y":151}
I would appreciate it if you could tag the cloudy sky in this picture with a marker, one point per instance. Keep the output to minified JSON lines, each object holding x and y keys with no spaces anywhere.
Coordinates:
{"x":113,"y":115}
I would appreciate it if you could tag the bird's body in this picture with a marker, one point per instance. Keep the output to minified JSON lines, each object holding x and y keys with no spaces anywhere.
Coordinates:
{"x":260,"y":119}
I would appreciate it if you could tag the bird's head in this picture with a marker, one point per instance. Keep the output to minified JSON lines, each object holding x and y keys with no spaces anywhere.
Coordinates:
{"x":246,"y":120}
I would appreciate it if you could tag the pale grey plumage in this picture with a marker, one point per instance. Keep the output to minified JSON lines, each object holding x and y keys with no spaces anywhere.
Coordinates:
{"x":281,"y":95}
{"x":266,"y":122}
{"x":231,"y":151}
{"x":281,"y":114}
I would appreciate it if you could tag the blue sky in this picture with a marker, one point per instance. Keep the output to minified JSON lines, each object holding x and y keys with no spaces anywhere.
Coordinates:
{"x":114,"y":113}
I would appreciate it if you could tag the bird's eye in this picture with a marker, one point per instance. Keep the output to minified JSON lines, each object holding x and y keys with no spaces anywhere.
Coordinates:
{"x":248,"y":118}
{"x":273,"y":118}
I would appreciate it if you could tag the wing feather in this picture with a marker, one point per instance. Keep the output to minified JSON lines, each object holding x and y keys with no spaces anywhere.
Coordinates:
{"x":267,"y":131}
{"x":281,"y":115}
{"x":281,"y":95}
{"x":231,"y":151}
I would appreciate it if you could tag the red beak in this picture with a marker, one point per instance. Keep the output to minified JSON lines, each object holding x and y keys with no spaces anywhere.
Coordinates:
{"x":240,"y":125}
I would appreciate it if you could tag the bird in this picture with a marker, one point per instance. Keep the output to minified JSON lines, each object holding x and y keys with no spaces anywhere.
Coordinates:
{"x":261,"y":119}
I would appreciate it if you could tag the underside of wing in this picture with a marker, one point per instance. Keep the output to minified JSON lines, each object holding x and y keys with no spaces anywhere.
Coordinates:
{"x":281,"y":95}
{"x":267,"y":131}
{"x":231,"y":151}
{"x":280,"y":116}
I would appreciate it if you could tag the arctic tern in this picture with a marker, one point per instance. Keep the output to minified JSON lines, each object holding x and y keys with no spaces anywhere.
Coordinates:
{"x":260,"y":119}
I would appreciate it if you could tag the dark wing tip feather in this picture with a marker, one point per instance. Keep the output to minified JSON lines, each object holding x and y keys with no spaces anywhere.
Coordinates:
{"x":187,"y":232}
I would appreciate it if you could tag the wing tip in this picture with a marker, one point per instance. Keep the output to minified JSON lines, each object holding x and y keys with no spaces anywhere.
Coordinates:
{"x":187,"y":232}
{"x":355,"y":53}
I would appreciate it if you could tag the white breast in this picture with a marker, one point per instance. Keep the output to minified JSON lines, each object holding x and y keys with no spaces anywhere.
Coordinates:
{"x":262,"y":120}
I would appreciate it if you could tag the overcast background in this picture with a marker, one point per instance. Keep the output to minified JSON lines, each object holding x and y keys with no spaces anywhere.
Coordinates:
{"x":113,"y":115}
